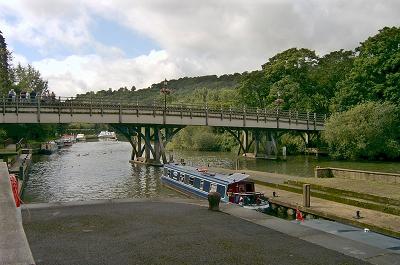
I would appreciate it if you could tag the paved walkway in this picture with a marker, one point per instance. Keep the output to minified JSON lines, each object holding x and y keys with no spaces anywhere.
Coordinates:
{"x":334,"y":210}
{"x":167,"y":232}
{"x":361,"y":186}
{"x":375,"y":220}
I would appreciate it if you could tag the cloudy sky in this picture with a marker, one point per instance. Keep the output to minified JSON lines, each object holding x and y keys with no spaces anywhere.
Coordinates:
{"x":82,"y":45}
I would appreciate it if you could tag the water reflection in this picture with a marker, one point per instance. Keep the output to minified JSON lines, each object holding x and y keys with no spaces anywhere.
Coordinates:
{"x":101,"y":170}
{"x":93,"y":170}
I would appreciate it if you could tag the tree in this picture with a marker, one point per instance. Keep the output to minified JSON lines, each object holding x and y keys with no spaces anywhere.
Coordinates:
{"x":330,"y":71}
{"x":5,"y":68}
{"x":254,"y":89}
{"x":288,"y":75}
{"x":369,"y":130}
{"x":29,"y":79}
{"x":376,"y":72}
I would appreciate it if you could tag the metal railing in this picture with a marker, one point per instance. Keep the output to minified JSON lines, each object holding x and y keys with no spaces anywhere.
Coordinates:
{"x":73,"y":105}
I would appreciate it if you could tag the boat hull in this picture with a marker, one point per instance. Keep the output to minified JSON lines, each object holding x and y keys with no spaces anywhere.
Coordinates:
{"x":183,"y":188}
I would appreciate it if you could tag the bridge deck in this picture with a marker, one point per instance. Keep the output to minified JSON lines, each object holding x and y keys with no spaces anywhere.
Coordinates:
{"x":74,"y":110}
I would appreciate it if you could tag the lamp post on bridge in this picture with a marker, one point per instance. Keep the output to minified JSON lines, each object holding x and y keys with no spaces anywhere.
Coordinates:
{"x":166,"y":91}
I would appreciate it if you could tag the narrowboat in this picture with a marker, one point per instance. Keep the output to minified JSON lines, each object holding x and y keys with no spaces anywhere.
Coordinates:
{"x":48,"y":148}
{"x":234,"y":188}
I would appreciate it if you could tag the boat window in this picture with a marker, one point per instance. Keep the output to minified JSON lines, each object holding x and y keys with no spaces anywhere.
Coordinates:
{"x":170,"y":173}
{"x":201,"y":184}
{"x":196,"y":183}
{"x":213,"y":187}
{"x":182,"y":178}
{"x":249,"y":187}
{"x":176,"y":175}
{"x":191,"y":181}
{"x":221,"y":190}
{"x":187,"y":179}
{"x":206,"y":186}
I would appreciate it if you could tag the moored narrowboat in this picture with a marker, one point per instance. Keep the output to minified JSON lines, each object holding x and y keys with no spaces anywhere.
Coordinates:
{"x":48,"y":148}
{"x":234,"y":188}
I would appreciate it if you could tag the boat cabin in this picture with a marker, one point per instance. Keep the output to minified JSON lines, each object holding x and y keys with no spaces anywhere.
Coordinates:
{"x":200,"y":182}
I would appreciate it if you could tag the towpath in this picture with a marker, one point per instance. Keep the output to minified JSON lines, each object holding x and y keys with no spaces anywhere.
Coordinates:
{"x":173,"y":232}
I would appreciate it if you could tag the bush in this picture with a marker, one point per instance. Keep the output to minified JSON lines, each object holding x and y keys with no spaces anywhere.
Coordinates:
{"x":369,"y":130}
{"x":294,"y":143}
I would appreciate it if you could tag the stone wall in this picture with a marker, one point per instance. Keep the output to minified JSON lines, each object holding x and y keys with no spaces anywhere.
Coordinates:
{"x":14,"y":247}
{"x":331,"y":172}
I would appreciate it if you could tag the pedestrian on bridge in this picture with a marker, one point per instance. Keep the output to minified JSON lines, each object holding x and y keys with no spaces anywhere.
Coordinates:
{"x":33,"y":95}
{"x":12,"y":95}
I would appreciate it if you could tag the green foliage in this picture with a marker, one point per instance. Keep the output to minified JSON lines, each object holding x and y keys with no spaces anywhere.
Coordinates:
{"x":376,"y":72}
{"x":369,"y":130}
{"x":29,"y":79}
{"x":3,"y":135}
{"x":293,"y":142}
{"x":5,"y":68}
{"x":201,"y":139}
{"x":37,"y":132}
{"x":211,"y":89}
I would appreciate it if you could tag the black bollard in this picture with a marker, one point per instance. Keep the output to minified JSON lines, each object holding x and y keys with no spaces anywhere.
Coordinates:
{"x":213,"y":201}
{"x":273,"y":194}
{"x":358,"y":216}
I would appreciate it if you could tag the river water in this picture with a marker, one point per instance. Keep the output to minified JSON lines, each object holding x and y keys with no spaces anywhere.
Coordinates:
{"x":101,"y":170}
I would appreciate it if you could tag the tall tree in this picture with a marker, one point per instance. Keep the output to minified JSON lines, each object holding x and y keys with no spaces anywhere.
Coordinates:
{"x":29,"y":79}
{"x":376,"y":72}
{"x":288,"y":73}
{"x":5,"y":69}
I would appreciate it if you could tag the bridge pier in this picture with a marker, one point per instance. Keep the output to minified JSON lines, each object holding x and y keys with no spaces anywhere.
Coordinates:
{"x":154,"y":139}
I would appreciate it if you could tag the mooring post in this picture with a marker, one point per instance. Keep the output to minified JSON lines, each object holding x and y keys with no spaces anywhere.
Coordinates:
{"x":306,"y":195}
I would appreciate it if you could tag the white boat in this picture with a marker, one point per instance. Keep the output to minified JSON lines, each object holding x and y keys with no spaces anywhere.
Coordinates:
{"x":80,"y":137}
{"x":234,"y":188}
{"x":106,"y":135}
{"x":48,"y":148}
{"x":68,"y":140}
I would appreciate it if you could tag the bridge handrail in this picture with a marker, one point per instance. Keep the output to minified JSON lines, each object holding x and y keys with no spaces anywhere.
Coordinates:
{"x":85,"y":102}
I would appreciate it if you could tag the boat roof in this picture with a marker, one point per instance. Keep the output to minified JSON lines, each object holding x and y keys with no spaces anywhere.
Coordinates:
{"x":217,"y":177}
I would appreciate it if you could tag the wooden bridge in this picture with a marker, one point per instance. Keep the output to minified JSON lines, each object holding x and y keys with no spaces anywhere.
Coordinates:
{"x":130,"y":118}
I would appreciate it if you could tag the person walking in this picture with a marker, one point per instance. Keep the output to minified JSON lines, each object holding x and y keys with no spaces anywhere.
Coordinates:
{"x":33,"y":95}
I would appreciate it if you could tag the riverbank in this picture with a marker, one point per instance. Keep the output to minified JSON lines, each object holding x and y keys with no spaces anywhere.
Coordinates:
{"x":181,"y":231}
{"x":335,"y":199}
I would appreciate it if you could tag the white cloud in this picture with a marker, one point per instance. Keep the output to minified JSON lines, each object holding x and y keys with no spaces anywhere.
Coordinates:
{"x":78,"y":74}
{"x":196,"y":37}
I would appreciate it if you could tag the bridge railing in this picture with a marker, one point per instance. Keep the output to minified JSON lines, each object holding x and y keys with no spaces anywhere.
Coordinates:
{"x":104,"y":105}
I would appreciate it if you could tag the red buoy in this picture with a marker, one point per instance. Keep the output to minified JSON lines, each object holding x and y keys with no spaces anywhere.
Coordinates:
{"x":299,"y":216}
{"x":14,"y":187}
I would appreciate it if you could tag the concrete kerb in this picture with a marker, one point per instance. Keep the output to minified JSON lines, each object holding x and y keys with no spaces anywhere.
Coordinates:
{"x":345,"y":246}
{"x":14,"y":247}
{"x":342,"y":245}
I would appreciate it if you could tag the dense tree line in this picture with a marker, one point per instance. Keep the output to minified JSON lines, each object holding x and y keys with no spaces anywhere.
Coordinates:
{"x":21,"y":78}
{"x":361,"y":88}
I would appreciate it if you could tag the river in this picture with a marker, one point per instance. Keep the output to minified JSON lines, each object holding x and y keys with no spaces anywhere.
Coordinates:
{"x":101,"y":170}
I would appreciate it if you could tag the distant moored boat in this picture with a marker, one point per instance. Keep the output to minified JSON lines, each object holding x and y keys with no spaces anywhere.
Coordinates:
{"x":106,"y":135}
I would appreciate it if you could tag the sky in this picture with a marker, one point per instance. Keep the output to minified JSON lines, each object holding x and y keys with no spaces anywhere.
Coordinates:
{"x":84,"y":45}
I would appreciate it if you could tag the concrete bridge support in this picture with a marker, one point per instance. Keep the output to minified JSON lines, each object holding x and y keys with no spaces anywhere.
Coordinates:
{"x":148,"y":142}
